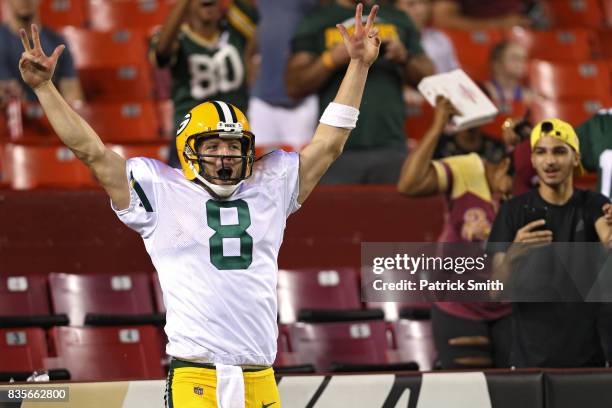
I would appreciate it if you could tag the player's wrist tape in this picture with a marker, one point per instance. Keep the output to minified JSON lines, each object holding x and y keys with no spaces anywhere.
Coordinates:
{"x":338,"y":115}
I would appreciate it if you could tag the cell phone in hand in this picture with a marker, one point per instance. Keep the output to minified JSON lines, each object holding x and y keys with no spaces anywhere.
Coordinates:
{"x":534,"y":214}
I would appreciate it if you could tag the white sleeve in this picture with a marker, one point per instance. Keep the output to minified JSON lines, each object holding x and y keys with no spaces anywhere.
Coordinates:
{"x":141,"y":214}
{"x":292,"y":181}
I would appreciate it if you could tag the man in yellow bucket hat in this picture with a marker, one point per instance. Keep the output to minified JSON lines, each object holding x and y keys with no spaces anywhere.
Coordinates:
{"x":566,"y":332}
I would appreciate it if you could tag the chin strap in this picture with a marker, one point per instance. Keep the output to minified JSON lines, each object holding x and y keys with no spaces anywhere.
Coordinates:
{"x":222,"y":191}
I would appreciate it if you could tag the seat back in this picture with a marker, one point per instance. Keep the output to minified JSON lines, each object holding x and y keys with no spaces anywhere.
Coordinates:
{"x":59,"y":13}
{"x":575,"y":13}
{"x":22,"y":349}
{"x":24,"y":295}
{"x":158,"y":150}
{"x":112,"y":15}
{"x":473,"y":50}
{"x":414,"y":341}
{"x":570,"y":81}
{"x":556,"y":45}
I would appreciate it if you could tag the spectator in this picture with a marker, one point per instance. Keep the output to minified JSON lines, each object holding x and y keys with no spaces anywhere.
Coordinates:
{"x":596,"y":148}
{"x":516,"y":133}
{"x":270,"y":108}
{"x":552,"y":334}
{"x":21,"y":14}
{"x":466,"y":334}
{"x":208,"y":55}
{"x":467,"y":141}
{"x":506,"y":87}
{"x":377,"y":149}
{"x":436,"y":44}
{"x":481,"y":15}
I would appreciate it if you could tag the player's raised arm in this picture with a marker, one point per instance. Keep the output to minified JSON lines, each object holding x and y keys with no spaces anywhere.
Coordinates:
{"x":341,"y":115}
{"x":109,"y":168}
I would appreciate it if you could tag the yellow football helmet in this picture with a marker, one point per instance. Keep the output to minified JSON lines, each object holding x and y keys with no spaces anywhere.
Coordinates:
{"x":214,"y":119}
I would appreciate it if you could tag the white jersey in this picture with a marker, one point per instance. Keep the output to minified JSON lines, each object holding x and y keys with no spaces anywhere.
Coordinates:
{"x":216,"y":259}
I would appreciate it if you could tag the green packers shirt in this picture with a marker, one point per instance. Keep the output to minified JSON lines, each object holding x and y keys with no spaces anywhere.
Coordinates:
{"x":381,"y":118}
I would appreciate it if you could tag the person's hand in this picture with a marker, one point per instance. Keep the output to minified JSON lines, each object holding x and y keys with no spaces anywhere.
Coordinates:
{"x":509,"y":135}
{"x":607,"y":210}
{"x":363,"y":44}
{"x":37,"y":68}
{"x":526,"y":239}
{"x":395,"y":51}
{"x":443,"y":111}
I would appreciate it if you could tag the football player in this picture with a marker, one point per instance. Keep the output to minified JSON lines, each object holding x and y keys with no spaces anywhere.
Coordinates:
{"x":214,"y":229}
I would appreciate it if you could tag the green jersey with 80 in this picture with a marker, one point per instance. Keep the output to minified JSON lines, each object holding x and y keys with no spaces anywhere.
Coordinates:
{"x":596,"y":148}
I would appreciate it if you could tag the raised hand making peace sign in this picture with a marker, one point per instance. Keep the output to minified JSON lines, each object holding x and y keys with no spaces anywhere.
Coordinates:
{"x":364,"y":43}
{"x":37,"y":68}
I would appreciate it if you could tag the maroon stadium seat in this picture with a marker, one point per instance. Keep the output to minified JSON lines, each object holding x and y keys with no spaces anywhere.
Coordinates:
{"x":414,"y":342}
{"x":575,"y":13}
{"x":117,"y":122}
{"x":24,"y":295}
{"x":22,"y":349}
{"x":473,"y":49}
{"x":557,"y":45}
{"x":27,"y":167}
{"x":570,"y":81}
{"x":322,"y":344}
{"x":299,"y":289}
{"x":158,"y":151}
{"x":574,"y":112}
{"x":60,"y":13}
{"x":78,"y":295}
{"x":418,"y":120}
{"x":112,"y":66}
{"x":108,"y":353}
{"x":394,"y":310}
{"x":112,"y":14}
{"x":607,"y":8}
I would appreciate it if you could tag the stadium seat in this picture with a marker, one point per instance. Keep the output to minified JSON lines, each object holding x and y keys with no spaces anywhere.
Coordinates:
{"x":575,"y":13}
{"x":60,"y":13}
{"x":108,"y":353}
{"x":394,"y":310}
{"x":112,"y":295}
{"x":607,"y":8}
{"x":574,"y":112}
{"x":24,"y":295}
{"x":158,"y":151}
{"x":473,"y":49}
{"x":33,"y":166}
{"x":414,"y":341}
{"x":605,"y":43}
{"x":418,"y":120}
{"x":22,"y":350}
{"x":113,"y":15}
{"x":117,"y":122}
{"x":556,"y":45}
{"x":112,"y":65}
{"x":344,"y":342}
{"x":570,"y":81}
{"x":165,"y":113}
{"x":300,"y":289}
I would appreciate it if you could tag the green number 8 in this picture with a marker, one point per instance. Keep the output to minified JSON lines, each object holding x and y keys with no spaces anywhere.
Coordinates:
{"x":213,"y":215}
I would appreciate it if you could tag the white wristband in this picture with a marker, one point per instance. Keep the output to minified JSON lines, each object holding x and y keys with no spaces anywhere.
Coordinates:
{"x":338,"y":115}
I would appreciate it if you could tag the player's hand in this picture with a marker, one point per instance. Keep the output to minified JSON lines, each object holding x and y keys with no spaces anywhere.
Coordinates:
{"x":364,"y":43}
{"x":396,"y":52}
{"x":37,"y":68}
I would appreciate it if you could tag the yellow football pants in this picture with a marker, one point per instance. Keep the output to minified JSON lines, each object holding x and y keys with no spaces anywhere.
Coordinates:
{"x":193,"y":385}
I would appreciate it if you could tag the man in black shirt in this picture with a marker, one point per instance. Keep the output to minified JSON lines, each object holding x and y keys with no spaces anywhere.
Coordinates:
{"x":555,"y":334}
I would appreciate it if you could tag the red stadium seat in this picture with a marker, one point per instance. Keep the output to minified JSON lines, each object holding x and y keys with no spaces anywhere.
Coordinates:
{"x":61,"y":13}
{"x":300,"y":289}
{"x":607,"y":8}
{"x":22,"y":350}
{"x":473,"y":49}
{"x":605,"y":43}
{"x":108,"y":353}
{"x":112,"y":14}
{"x":414,"y":342}
{"x":29,"y":167}
{"x":561,"y":45}
{"x":574,"y":112}
{"x":322,"y":344}
{"x":575,"y":13}
{"x":418,"y":120}
{"x":78,"y":295}
{"x":117,"y":122}
{"x":158,"y":151}
{"x":393,"y":310}
{"x":570,"y":81}
{"x":113,"y":65}
{"x":24,"y":295}
{"x":165,"y":113}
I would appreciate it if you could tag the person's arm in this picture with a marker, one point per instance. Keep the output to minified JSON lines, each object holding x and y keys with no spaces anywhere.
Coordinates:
{"x":603,"y":226}
{"x":328,"y":141}
{"x":107,"y":166}
{"x":418,"y":176}
{"x":447,"y":14}
{"x":164,"y":46}
{"x":71,"y":90}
